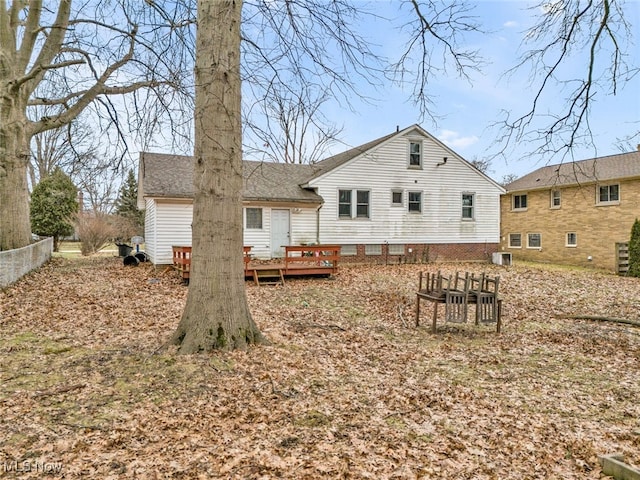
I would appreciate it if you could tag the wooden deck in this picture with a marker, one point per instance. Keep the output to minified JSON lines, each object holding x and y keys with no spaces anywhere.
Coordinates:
{"x":299,"y":260}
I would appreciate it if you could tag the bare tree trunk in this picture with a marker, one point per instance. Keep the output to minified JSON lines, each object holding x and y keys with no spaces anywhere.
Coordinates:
{"x":216,"y":314}
{"x":15,"y":224}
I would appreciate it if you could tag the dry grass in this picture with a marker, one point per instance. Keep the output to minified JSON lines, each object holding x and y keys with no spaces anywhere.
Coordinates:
{"x":348,"y":387}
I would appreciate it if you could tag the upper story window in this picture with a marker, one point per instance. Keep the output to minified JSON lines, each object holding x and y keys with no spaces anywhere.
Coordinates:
{"x":609,"y":193}
{"x":415,"y":154}
{"x":468,"y":204}
{"x":519,"y":202}
{"x":556,"y":199}
{"x":253,"y":218}
{"x":347,"y":208}
{"x":415,"y":202}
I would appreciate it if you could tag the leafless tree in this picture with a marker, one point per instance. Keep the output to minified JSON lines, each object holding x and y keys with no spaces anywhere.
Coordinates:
{"x":577,"y":55}
{"x":216,"y":314}
{"x":290,"y":126}
{"x":88,"y":53}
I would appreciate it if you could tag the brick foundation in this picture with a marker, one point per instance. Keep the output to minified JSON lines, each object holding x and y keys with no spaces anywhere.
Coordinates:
{"x":424,"y":253}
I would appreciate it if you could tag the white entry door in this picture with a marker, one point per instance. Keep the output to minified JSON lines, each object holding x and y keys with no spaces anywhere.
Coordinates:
{"x":280,"y":228}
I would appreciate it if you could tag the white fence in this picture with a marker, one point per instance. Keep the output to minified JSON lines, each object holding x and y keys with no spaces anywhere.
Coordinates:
{"x":16,"y":263}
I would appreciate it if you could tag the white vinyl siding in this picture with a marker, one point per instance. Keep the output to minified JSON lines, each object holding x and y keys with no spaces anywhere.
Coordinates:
{"x":172,"y":226}
{"x":168,"y":223}
{"x":382,"y":170}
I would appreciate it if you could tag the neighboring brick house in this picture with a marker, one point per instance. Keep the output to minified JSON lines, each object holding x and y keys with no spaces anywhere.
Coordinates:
{"x":572,"y":213}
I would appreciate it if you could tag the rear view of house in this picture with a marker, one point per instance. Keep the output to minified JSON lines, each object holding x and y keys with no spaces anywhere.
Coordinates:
{"x":404,"y":195}
{"x":573,"y":213}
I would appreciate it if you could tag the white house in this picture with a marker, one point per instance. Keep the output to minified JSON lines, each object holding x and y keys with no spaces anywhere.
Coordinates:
{"x":405,"y":194}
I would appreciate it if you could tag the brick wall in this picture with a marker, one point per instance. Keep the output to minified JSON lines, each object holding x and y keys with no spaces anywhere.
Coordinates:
{"x":597,"y":227}
{"x":423,"y":253}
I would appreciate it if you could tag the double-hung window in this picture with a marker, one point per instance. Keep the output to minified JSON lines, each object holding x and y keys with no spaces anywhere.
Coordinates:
{"x":415,"y":154}
{"x":415,"y":202}
{"x":515,"y":240}
{"x":534,"y":240}
{"x":556,"y":199}
{"x":344,"y":203}
{"x":354,"y":204}
{"x":468,"y":201}
{"x":362,"y":205}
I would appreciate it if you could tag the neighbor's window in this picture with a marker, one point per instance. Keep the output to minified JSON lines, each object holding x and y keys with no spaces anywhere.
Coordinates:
{"x":254,"y":218}
{"x":572,"y":239}
{"x":415,"y":202}
{"x":519,"y":202}
{"x":467,"y":206}
{"x":415,"y":154}
{"x":609,"y":193}
{"x":396,"y":197}
{"x":534,"y":240}
{"x":344,"y":203}
{"x":515,"y":240}
{"x":362,"y":207}
{"x":555,"y":199}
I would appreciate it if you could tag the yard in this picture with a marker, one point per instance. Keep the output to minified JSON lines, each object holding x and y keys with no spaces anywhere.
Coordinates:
{"x":348,"y":388}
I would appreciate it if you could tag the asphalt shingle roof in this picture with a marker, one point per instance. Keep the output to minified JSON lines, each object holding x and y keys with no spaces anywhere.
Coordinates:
{"x":165,"y":175}
{"x":613,"y":167}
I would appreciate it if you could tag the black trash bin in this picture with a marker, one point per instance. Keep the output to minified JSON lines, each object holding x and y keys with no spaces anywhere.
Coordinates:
{"x":124,"y":249}
{"x":130,"y":261}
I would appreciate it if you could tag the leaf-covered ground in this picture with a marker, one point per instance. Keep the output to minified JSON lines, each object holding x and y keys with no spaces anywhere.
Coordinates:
{"x":348,"y":388}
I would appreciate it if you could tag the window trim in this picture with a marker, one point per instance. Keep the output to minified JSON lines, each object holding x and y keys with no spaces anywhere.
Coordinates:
{"x":246,"y":218}
{"x":419,"y":203}
{"x":571,"y":245}
{"x":509,"y":240}
{"x":539,"y":247}
{"x":608,"y":186}
{"x":420,"y":143}
{"x":553,"y":198}
{"x":472,"y":207}
{"x":513,"y":202}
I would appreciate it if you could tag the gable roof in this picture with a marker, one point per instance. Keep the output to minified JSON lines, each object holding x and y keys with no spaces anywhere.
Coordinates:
{"x":171,"y":176}
{"x":613,"y":167}
{"x":331,"y":163}
{"x":335,"y":161}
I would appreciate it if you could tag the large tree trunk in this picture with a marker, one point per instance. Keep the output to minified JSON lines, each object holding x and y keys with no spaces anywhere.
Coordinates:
{"x":216,"y":315}
{"x":15,"y":224}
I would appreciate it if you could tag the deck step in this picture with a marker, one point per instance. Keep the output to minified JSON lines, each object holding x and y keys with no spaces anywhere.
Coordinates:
{"x":268,"y":276}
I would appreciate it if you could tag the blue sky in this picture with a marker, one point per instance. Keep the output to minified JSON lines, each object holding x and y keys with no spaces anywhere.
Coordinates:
{"x":468,"y":109}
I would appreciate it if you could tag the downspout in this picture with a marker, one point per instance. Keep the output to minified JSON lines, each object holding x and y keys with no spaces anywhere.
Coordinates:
{"x":318,"y":224}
